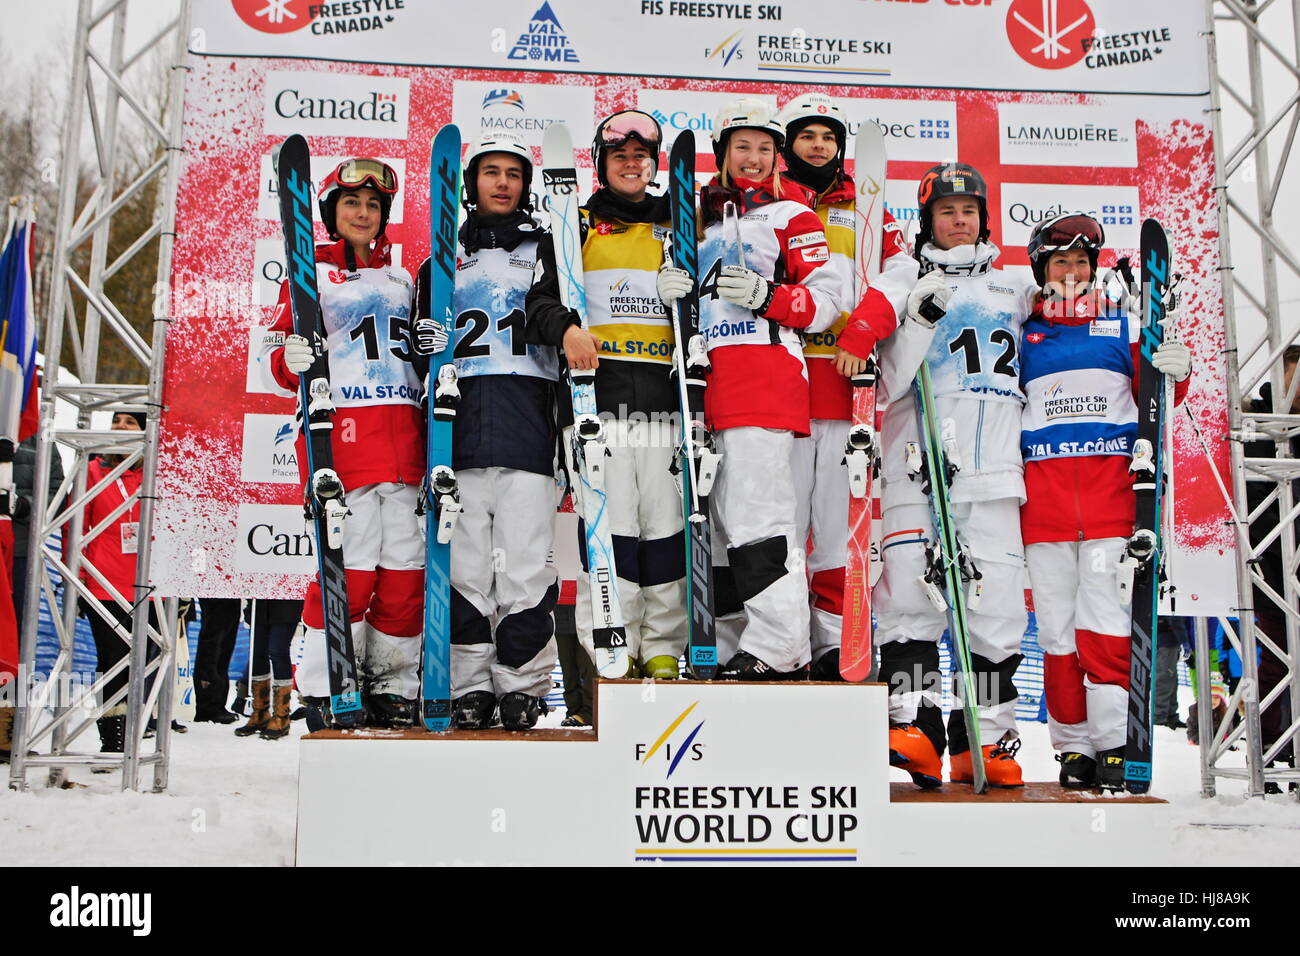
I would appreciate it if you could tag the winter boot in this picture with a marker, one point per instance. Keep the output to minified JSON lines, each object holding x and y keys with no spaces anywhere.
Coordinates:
{"x":278,"y":724}
{"x":520,"y":711}
{"x":663,"y":667}
{"x":112,"y":734}
{"x":827,"y":667}
{"x":745,"y":666}
{"x":1000,"y":767}
{"x":261,"y":707}
{"x":912,"y":750}
{"x":1110,"y":769}
{"x":389,"y":711}
{"x":474,"y":711}
{"x":576,"y":721}
{"x":6,"y":732}
{"x":1078,"y":771}
{"x":318,"y":713}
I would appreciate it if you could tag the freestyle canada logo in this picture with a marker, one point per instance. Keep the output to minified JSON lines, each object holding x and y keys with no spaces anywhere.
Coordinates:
{"x":544,"y":40}
{"x":1050,"y":34}
{"x":674,"y":753}
{"x":286,"y":16}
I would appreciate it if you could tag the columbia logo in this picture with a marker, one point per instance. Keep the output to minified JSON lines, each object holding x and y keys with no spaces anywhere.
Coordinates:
{"x":544,"y":40}
{"x":660,"y":117}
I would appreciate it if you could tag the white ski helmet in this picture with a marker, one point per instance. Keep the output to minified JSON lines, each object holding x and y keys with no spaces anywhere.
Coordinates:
{"x":747,"y":112}
{"x":813,"y":108}
{"x":507,"y":143}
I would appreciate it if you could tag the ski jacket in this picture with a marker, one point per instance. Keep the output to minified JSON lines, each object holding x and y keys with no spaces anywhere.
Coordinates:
{"x":1079,"y":370}
{"x":113,"y":551}
{"x":759,"y":377}
{"x":620,"y":262}
{"x":874,"y":316}
{"x":378,"y":433}
{"x":505,"y":417}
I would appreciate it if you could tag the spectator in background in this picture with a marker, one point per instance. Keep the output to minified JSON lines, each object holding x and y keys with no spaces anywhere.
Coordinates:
{"x":270,"y":670}
{"x":24,"y":475}
{"x":577,"y":670}
{"x":218,"y":628}
{"x":1172,"y":633}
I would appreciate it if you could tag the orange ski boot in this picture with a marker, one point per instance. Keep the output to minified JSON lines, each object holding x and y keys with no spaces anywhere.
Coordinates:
{"x":912,"y":750}
{"x":1000,"y":767}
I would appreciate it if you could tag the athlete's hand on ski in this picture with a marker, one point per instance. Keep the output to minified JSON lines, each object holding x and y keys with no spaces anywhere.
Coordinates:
{"x":429,"y":337}
{"x":1174,"y":359}
{"x":933,"y":286}
{"x":298,"y":354}
{"x":581,"y":348}
{"x":744,"y":287}
{"x":848,"y":364}
{"x":672,"y":284}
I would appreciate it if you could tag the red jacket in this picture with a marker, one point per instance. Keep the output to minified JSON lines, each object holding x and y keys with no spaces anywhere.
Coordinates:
{"x":105,"y":552}
{"x":372,"y":443}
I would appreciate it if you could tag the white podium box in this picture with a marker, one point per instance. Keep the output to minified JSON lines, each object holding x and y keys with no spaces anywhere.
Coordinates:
{"x":681,"y":772}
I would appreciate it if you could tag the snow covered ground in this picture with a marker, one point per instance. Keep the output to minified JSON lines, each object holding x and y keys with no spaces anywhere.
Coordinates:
{"x":232,"y":802}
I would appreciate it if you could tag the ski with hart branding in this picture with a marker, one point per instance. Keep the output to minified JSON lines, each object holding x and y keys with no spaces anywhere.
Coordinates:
{"x":860,"y":451}
{"x":699,"y":460}
{"x":323,"y":495}
{"x":948,"y":565}
{"x":439,"y":492}
{"x":589,"y":449}
{"x":1144,"y":553}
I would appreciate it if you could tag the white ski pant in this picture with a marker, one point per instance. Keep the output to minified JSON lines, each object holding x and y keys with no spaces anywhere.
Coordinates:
{"x":646,"y":525}
{"x":383,"y":554}
{"x":753,"y":504}
{"x":821,"y":496}
{"x":1085,"y":632}
{"x":503,"y":585}
{"x":904,"y":611}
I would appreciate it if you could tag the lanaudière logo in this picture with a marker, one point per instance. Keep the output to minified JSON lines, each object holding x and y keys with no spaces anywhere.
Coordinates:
{"x":674,"y":753}
{"x":544,"y":41}
{"x":504,"y":97}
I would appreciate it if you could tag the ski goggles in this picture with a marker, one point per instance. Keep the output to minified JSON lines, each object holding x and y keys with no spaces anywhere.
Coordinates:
{"x":1066,"y":232}
{"x":632,"y":124}
{"x":355,"y":173}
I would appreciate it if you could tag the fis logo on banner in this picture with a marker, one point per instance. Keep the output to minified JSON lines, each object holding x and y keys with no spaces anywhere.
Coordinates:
{"x":727,"y":50}
{"x":544,"y":41}
{"x":674,"y":752}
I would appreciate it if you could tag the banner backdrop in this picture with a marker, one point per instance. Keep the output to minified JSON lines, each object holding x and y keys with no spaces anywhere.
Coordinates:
{"x":230,"y":522}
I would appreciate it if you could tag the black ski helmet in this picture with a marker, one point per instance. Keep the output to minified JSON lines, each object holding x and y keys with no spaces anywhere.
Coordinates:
{"x":353,"y":174}
{"x":509,"y":144}
{"x":1062,"y":233}
{"x":950,"y":179}
{"x":615,"y":130}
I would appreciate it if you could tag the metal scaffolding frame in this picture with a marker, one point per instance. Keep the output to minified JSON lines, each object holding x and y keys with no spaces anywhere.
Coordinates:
{"x":1275,"y":477}
{"x":102,"y":112}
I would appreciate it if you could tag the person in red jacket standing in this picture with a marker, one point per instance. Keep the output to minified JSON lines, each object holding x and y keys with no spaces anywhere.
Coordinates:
{"x":756,"y":402}
{"x":378,"y":442}
{"x":1079,"y":372}
{"x":816,"y":133}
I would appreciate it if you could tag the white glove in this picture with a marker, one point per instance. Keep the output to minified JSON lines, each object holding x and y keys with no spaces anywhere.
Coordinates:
{"x":428,"y":337}
{"x":744,"y":287}
{"x":1173,"y":359}
{"x":672,"y":284}
{"x":298,"y":354}
{"x":934,"y":286}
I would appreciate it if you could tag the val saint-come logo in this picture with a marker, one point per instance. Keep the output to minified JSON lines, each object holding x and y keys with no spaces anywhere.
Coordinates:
{"x":1050,"y":34}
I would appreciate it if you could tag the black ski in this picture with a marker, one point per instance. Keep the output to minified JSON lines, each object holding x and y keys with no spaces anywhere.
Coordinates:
{"x":323,"y":494}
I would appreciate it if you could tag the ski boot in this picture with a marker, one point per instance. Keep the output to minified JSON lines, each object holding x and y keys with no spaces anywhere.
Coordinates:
{"x":1000,"y":767}
{"x":662,"y":667}
{"x":745,"y":666}
{"x":474,"y":711}
{"x":277,"y":725}
{"x":1078,"y":771}
{"x":261,"y":708}
{"x":520,"y":711}
{"x":912,"y":750}
{"x":1110,"y":769}
{"x":389,"y":711}
{"x":827,"y":667}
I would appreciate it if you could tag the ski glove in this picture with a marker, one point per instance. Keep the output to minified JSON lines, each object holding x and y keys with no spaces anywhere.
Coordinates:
{"x":934,"y":286}
{"x":672,"y":284}
{"x":1173,"y":359}
{"x":428,"y":336}
{"x":298,"y":354}
{"x":745,"y":288}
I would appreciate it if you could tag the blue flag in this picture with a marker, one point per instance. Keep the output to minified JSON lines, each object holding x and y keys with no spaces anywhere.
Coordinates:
{"x":17,"y":326}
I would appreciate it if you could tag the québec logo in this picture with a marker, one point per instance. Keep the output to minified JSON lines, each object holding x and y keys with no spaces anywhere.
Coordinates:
{"x":504,"y":97}
{"x":674,"y":753}
{"x":1117,"y":215}
{"x":1050,"y":34}
{"x":544,"y":40}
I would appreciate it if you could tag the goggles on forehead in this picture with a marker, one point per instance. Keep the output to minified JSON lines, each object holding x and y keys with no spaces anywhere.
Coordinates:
{"x":355,"y":173}
{"x":1070,"y":231}
{"x":621,"y":127}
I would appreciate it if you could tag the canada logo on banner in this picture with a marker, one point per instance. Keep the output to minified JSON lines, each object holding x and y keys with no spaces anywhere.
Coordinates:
{"x":274,"y":16}
{"x":1049,"y":34}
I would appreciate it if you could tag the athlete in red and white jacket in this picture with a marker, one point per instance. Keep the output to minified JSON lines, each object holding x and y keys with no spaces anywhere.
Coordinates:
{"x":378,"y":440}
{"x":751,"y":316}
{"x":816,"y":132}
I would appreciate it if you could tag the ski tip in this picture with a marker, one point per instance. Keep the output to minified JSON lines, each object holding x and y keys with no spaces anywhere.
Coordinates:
{"x":557,"y":144}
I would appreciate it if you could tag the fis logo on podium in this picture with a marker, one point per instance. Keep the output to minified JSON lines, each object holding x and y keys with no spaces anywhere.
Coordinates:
{"x":674,"y":752}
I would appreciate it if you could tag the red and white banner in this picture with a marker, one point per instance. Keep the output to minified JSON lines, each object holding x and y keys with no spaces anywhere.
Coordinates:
{"x":230,"y":520}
